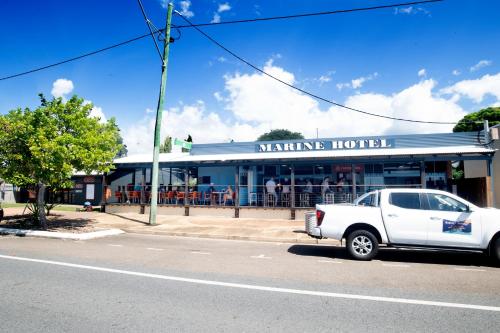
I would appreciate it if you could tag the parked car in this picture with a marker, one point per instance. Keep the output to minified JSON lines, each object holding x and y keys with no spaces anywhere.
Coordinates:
{"x":408,"y":218}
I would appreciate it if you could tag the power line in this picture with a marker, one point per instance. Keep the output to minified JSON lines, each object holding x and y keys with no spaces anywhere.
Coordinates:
{"x":305,"y":91}
{"x":206,"y":24}
{"x":149,"y":24}
{"x":340,"y":11}
{"x":76,"y":58}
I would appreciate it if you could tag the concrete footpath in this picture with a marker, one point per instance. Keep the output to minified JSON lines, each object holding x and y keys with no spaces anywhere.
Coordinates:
{"x":272,"y":230}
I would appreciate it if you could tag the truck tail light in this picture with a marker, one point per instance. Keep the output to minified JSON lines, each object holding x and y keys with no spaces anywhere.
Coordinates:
{"x":319,"y":216}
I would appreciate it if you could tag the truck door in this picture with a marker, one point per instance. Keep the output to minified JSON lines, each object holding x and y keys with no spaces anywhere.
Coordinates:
{"x":404,"y":219}
{"x":451,"y":223}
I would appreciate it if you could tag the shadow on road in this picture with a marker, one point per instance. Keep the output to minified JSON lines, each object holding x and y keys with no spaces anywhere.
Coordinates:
{"x":400,"y":255}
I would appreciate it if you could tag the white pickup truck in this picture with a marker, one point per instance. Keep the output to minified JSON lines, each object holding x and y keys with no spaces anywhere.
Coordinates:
{"x":408,"y":218}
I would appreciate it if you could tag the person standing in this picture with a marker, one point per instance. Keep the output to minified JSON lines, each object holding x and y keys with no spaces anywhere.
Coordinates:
{"x":271,"y":188}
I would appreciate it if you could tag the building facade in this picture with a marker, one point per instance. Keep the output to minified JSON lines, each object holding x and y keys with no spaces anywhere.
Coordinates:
{"x":285,"y":178}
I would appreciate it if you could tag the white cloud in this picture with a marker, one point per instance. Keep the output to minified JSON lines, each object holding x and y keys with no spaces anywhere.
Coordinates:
{"x":62,"y":87}
{"x":221,"y":59}
{"x":218,"y":96}
{"x":96,"y":111}
{"x":358,"y":83}
{"x":422,"y":72}
{"x":456,"y":72}
{"x":216,"y":18}
{"x":404,"y":10}
{"x":476,"y":89}
{"x":253,"y":104}
{"x":480,"y":64}
{"x":341,"y":86}
{"x":185,"y":11}
{"x":192,"y":119}
{"x":412,"y":11}
{"x":148,"y":110}
{"x":324,"y":78}
{"x":223,"y":7}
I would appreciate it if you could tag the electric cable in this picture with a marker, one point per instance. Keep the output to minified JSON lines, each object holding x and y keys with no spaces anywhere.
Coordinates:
{"x":206,"y":24}
{"x":76,"y":58}
{"x":305,"y":91}
{"x":340,"y":11}
{"x":149,"y":24}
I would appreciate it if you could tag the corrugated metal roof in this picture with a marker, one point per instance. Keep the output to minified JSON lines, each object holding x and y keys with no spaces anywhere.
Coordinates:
{"x":186,"y":157}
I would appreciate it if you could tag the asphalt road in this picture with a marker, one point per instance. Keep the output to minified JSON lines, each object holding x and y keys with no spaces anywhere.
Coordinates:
{"x":156,"y":283}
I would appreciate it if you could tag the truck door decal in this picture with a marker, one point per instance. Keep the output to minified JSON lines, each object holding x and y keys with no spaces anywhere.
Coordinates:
{"x":457,"y":227}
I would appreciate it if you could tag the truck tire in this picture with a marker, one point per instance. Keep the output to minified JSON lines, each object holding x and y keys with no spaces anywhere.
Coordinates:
{"x":495,"y":249}
{"x":362,"y":245}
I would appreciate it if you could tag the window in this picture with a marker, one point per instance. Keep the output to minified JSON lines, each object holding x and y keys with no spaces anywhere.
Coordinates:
{"x":367,"y":200}
{"x":405,"y":200}
{"x":445,"y":203}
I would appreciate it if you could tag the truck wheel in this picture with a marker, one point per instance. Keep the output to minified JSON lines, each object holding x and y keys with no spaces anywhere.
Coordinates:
{"x":495,"y":249}
{"x":362,"y":245}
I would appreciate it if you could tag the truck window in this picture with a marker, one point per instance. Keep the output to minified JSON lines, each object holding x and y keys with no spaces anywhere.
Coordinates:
{"x":405,"y":200}
{"x":369,"y":200}
{"x":443,"y":202}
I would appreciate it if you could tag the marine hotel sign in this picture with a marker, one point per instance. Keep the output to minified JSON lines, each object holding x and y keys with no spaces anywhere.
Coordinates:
{"x":325,"y":145}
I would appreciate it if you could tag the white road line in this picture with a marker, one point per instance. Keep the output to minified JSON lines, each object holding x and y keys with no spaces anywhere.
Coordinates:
{"x":260,"y":256}
{"x":470,"y":269}
{"x":200,"y":252}
{"x":330,"y":261}
{"x":154,"y":249}
{"x":115,"y":245}
{"x":396,"y":265}
{"x":262,"y":288}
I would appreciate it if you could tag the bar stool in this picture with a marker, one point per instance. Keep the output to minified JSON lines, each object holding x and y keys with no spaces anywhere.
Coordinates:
{"x":285,"y":199}
{"x":270,"y":200}
{"x":329,"y":198}
{"x":304,"y":199}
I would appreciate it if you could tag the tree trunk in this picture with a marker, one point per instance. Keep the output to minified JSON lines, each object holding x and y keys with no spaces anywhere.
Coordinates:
{"x":41,"y":207}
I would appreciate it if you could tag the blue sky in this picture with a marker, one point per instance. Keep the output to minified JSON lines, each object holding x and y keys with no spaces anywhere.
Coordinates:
{"x":370,"y":60}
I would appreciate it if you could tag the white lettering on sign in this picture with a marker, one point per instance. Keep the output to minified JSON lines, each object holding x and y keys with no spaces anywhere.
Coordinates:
{"x":325,"y":145}
{"x":263,"y":148}
{"x":319,"y":145}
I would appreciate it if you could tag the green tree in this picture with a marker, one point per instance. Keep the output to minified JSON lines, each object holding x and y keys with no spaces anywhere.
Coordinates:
{"x":473,"y":121}
{"x":123,"y":148}
{"x":42,"y":148}
{"x":166,"y":146}
{"x":280,"y":134}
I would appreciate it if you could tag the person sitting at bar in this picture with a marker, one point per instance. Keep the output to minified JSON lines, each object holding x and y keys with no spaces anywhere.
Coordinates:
{"x":228,"y":194}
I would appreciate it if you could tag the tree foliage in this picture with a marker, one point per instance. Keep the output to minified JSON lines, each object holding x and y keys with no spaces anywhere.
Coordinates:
{"x":43,"y":147}
{"x":473,"y":121}
{"x":280,"y":134}
{"x":123,"y":148}
{"x":166,"y":146}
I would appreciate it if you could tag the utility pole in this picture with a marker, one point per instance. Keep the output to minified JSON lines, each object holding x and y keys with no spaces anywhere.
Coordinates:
{"x":159,"y":111}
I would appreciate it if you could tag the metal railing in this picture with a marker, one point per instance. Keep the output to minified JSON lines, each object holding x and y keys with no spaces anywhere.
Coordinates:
{"x":286,"y":196}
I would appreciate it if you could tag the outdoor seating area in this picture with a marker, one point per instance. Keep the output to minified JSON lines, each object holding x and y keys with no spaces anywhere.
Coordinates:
{"x":259,"y":197}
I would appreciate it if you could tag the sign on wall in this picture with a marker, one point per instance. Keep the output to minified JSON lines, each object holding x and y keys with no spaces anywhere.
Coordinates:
{"x":325,"y":145}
